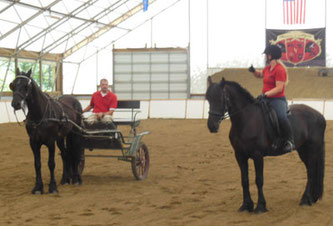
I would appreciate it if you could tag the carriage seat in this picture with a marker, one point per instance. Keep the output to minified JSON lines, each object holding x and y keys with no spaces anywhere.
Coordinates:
{"x":130,"y":108}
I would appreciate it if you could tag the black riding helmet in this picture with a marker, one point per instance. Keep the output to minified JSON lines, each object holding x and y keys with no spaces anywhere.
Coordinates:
{"x":274,"y":51}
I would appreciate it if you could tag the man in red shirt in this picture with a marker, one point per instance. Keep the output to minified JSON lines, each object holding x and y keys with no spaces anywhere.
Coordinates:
{"x":101,"y":102}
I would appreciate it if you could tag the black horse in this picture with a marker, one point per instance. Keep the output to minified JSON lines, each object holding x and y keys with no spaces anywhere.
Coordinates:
{"x":249,"y":138}
{"x":49,"y":121}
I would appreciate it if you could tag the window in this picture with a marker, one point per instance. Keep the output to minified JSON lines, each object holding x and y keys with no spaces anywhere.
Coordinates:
{"x":49,"y":76}
{"x":25,"y":65}
{"x":46,"y":79}
{"x":6,"y":75}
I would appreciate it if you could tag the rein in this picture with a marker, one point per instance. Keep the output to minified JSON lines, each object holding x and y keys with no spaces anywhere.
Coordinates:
{"x":225,"y":114}
{"x":49,"y":109}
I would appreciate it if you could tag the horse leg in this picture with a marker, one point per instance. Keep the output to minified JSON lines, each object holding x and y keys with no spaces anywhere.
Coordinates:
{"x":51,"y":163}
{"x":313,"y":158}
{"x":65,"y":163}
{"x":244,"y":167}
{"x":75,"y":151}
{"x":35,"y":146}
{"x":259,"y":167}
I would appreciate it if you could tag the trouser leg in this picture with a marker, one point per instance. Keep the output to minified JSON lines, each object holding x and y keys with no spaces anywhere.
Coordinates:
{"x":107,"y":119}
{"x":280,"y":107}
{"x":92,"y":119}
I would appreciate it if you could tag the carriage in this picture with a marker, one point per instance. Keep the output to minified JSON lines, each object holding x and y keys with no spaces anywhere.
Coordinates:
{"x":107,"y":136}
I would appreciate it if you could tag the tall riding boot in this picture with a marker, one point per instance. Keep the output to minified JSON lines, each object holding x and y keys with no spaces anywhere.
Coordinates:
{"x":287,"y":133}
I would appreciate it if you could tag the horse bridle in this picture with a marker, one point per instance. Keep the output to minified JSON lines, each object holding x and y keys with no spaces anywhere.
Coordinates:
{"x":24,"y":97}
{"x":225,"y":109}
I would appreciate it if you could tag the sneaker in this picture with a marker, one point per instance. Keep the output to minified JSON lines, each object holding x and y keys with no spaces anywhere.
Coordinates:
{"x":288,"y":147}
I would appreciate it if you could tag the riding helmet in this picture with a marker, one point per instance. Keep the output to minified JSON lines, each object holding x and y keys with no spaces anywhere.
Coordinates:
{"x":274,"y":51}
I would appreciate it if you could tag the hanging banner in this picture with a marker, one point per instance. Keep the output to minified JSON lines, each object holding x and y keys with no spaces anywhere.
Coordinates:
{"x":299,"y":47}
{"x":295,"y":14}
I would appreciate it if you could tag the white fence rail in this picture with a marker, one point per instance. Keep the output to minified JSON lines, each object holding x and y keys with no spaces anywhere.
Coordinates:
{"x":177,"y":109}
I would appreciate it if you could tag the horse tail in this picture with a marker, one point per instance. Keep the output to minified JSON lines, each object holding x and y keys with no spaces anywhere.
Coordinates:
{"x":319,"y":168}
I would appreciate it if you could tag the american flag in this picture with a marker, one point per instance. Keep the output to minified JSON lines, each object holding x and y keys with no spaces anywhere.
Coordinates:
{"x":294,"y":11}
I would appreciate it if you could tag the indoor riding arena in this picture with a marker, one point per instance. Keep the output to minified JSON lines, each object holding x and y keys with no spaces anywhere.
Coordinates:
{"x":158,"y":164}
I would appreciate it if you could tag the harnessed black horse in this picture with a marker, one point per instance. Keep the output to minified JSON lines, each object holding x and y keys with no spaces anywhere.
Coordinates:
{"x":49,"y":121}
{"x":249,"y":137}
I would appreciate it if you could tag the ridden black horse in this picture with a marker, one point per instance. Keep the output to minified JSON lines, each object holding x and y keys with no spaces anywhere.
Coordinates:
{"x":249,"y":138}
{"x":49,"y":121}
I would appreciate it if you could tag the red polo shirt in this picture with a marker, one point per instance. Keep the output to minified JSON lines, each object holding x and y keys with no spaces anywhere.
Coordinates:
{"x":270,"y":77}
{"x":103,"y":104}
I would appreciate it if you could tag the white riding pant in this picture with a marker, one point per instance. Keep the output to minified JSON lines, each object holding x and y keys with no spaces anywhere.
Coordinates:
{"x":93,"y":119}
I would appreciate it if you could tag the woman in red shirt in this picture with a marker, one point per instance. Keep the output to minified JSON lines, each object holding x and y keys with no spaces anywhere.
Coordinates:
{"x":275,"y":79}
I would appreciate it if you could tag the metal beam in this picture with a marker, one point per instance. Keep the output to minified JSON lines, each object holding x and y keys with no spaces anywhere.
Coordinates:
{"x":29,"y":19}
{"x":54,"y":26}
{"x":77,"y":30}
{"x":69,"y":15}
{"x":101,"y":31}
{"x":129,"y":31}
{"x":7,"y":7}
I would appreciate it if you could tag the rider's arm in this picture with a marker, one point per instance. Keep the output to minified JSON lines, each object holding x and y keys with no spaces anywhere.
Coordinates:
{"x":88,"y":108}
{"x":258,"y":73}
{"x":108,"y":113}
{"x":278,"y":88}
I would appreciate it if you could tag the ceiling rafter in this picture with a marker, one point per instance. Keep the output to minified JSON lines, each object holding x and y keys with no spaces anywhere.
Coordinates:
{"x":53,"y":26}
{"x":101,"y":31}
{"x":29,"y":19}
{"x":68,"y":15}
{"x":78,"y":29}
{"x":110,"y":17}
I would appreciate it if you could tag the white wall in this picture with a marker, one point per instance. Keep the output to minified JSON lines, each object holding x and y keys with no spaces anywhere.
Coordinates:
{"x":180,"y":109}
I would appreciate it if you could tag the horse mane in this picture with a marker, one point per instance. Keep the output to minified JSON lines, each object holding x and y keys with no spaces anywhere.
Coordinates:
{"x":241,"y":90}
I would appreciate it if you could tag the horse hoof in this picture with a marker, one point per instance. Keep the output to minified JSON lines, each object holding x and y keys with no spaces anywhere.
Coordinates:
{"x":37,"y":192}
{"x":260,"y":210}
{"x":64,"y":182}
{"x":53,"y":191}
{"x":246,"y":207}
{"x":76,"y":183}
{"x":305,"y":202}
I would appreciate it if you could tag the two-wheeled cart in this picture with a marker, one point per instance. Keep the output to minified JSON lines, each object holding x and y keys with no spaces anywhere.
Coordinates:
{"x":107,"y":136}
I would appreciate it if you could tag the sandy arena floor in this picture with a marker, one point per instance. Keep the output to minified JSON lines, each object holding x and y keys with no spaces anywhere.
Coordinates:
{"x":193,"y":180}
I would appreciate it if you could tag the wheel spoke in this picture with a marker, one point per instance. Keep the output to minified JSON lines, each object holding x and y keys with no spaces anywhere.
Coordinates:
{"x":140,"y":164}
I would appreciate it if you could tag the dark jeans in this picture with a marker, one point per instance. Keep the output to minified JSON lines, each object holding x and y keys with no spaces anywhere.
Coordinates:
{"x":280,"y":105}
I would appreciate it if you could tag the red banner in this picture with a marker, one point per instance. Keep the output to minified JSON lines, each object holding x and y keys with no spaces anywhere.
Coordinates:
{"x":299,"y":47}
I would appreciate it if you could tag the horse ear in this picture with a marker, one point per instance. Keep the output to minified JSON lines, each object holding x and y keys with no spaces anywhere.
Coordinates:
{"x":222,"y":83}
{"x":18,"y":71}
{"x":29,"y":73}
{"x":210,"y":82}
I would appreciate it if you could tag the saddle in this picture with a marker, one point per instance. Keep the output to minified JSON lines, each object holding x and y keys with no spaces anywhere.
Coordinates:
{"x":271,"y":121}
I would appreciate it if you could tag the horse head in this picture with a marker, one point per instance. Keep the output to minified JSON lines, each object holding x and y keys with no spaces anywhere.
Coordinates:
{"x":21,"y":87}
{"x":216,"y":98}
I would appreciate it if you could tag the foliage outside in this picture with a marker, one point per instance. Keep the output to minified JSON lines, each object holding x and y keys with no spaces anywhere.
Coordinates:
{"x":48,"y":83}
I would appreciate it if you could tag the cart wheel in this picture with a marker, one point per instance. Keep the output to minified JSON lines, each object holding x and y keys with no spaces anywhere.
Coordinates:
{"x":81,"y":163}
{"x":140,"y":163}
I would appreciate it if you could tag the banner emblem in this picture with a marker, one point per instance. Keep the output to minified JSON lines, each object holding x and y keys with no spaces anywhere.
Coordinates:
{"x":298,"y":46}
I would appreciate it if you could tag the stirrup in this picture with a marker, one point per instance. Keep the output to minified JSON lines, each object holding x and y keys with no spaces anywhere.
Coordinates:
{"x":288,"y":146}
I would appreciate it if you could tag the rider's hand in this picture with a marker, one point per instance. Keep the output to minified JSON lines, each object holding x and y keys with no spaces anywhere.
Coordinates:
{"x":252,"y":69}
{"x":261,"y":97}
{"x":100,"y":115}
